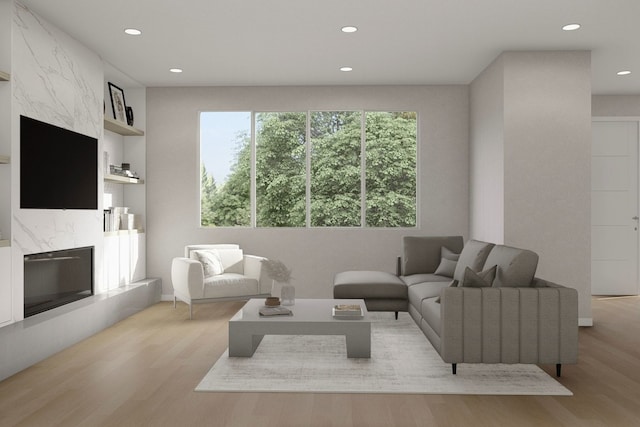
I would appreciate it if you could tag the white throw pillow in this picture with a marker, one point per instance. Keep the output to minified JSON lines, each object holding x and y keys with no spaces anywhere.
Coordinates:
{"x":211,"y":262}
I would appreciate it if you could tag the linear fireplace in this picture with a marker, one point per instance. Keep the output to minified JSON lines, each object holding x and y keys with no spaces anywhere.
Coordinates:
{"x":52,"y":279}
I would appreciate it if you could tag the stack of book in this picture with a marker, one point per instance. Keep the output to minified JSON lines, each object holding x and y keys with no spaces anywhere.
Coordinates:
{"x":274,"y":311}
{"x":347,"y":311}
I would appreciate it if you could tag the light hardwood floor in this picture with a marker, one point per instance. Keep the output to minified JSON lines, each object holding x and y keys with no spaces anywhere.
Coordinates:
{"x":142,"y":372}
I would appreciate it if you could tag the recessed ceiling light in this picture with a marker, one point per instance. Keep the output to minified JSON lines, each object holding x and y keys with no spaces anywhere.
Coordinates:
{"x":175,"y":70}
{"x":133,"y":31}
{"x":624,"y":73}
{"x":571,"y":27}
{"x":346,"y":69}
{"x":349,"y":29}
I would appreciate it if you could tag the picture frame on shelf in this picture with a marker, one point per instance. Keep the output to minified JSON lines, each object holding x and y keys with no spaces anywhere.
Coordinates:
{"x":129,"y":112}
{"x":118,"y":104}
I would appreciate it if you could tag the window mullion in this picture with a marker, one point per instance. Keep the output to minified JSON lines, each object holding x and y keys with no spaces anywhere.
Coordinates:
{"x":252,"y":186}
{"x":363,"y":175}
{"x":308,"y":166}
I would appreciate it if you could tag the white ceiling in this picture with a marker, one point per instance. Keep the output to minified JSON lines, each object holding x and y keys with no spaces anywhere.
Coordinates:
{"x":299,"y":42}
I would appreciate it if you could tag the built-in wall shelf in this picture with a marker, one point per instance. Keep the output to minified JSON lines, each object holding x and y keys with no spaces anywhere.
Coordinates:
{"x":4,"y":243}
{"x":4,"y":77}
{"x":123,"y":179}
{"x":4,"y":160}
{"x":121,"y":128}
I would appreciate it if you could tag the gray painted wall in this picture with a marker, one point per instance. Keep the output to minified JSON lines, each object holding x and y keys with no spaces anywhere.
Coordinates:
{"x":487,"y":154}
{"x":547,"y":160}
{"x":314,"y":254}
{"x":615,"y":105}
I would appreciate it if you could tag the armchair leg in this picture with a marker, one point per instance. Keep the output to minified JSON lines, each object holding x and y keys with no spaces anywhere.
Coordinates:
{"x":396,"y":315}
{"x":190,"y":311}
{"x":453,"y":368}
{"x":174,"y":301}
{"x":558,"y":369}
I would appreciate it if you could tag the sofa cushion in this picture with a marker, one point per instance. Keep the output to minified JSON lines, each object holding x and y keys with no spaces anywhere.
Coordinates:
{"x":516,"y":267}
{"x":368,"y":284}
{"x":483,"y":279}
{"x":473,"y":255}
{"x":210,"y":260}
{"x":421,"y":278}
{"x":230,"y":285}
{"x":430,"y":310}
{"x":453,"y":284}
{"x":419,"y":292}
{"x":422,"y":253}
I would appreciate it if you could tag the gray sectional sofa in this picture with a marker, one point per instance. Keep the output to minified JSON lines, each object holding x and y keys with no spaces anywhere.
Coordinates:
{"x":476,"y":303}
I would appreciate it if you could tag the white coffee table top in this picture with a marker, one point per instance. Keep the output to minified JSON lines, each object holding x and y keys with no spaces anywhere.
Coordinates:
{"x":304,"y":310}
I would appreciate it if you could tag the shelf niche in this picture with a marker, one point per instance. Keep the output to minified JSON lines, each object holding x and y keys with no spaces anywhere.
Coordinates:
{"x":4,"y":77}
{"x":4,"y":160}
{"x":121,"y":128}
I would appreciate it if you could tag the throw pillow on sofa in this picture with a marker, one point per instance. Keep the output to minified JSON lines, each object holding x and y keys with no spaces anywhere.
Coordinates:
{"x":448,"y":262}
{"x":211,"y":262}
{"x":483,"y":279}
{"x":517,"y":266}
{"x":473,"y":255}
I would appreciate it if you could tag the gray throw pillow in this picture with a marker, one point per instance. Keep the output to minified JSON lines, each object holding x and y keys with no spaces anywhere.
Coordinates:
{"x":448,"y":262}
{"x":447,"y":254}
{"x":483,"y":279}
{"x":473,"y":255}
{"x":446,"y":268}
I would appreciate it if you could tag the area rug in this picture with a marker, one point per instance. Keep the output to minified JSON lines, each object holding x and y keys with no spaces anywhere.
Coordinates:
{"x":402,"y":361}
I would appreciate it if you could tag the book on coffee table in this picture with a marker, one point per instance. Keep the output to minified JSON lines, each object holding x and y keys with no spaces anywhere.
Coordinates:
{"x":347,"y":311}
{"x":274,"y":311}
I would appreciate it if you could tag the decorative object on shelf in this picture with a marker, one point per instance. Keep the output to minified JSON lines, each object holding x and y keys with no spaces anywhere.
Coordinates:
{"x":118,"y":104}
{"x":123,"y":170}
{"x":129,"y":112}
{"x":279,"y":273}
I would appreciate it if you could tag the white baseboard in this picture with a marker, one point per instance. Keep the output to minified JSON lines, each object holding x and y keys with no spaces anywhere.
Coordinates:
{"x":585,"y":321}
{"x":165,"y":297}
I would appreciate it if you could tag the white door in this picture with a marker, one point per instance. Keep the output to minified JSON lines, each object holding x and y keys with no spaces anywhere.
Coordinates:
{"x":614,"y":208}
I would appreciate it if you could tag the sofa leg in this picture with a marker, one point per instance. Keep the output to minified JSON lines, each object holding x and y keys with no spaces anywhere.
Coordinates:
{"x":558,"y":369}
{"x":396,"y":315}
{"x":453,"y":368}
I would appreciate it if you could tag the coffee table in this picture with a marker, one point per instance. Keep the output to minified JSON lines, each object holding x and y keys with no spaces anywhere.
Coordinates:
{"x":310,"y":317}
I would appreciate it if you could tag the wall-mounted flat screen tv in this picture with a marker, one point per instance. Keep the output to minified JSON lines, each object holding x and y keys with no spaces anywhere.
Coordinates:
{"x":58,"y":167}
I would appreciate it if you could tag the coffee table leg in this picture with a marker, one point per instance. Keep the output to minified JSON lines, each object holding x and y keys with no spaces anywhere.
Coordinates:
{"x":243,"y":345}
{"x":359,"y":344}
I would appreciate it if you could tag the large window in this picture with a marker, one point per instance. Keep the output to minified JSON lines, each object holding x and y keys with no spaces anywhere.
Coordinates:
{"x":315,"y":169}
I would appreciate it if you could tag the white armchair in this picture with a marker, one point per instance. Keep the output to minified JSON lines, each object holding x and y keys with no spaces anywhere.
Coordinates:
{"x":217,"y":272}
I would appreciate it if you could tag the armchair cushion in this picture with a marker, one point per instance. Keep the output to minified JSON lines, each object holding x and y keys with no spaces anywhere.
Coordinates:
{"x":230,"y":285}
